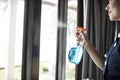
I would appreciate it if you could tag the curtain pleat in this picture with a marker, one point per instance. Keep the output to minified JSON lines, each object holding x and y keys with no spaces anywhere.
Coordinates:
{"x":78,"y":67}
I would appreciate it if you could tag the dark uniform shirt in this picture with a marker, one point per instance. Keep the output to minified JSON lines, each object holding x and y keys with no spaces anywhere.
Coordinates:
{"x":112,"y":63}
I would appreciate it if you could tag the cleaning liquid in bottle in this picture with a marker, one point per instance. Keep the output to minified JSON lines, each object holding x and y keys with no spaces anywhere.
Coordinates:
{"x":75,"y":53}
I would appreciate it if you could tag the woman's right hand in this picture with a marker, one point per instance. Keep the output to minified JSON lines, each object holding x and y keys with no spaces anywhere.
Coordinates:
{"x":81,"y":37}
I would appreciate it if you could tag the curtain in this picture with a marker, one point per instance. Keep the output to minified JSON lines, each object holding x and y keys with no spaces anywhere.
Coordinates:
{"x":78,"y":68}
{"x":101,"y":32}
{"x":31,"y":40}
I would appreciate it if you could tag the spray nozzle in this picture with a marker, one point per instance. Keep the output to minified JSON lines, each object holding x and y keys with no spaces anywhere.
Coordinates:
{"x":81,"y":29}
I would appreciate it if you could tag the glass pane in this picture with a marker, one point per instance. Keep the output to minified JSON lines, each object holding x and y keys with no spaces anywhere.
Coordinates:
{"x":48,"y":40}
{"x":71,"y":40}
{"x":4,"y":34}
{"x":18,"y":40}
{"x":11,"y":33}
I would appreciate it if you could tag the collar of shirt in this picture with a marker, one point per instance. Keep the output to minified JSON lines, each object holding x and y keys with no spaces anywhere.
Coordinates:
{"x":118,"y":35}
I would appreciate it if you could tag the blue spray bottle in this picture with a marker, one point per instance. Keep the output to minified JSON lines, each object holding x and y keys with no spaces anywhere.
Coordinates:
{"x":75,"y":54}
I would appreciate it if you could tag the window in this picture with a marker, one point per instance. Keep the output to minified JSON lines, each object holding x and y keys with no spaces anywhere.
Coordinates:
{"x":11,"y":43}
{"x":49,"y":39}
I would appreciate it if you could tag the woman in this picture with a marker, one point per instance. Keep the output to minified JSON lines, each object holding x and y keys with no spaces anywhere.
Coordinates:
{"x":110,"y":65}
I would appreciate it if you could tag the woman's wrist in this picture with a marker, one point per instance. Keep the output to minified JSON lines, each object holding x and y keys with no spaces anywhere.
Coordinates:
{"x":85,"y":43}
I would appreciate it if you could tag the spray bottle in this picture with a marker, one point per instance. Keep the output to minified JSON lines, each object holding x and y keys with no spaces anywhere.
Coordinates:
{"x":75,"y":53}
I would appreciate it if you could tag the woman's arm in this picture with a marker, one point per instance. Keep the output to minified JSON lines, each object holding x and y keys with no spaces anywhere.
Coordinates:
{"x":97,"y":58}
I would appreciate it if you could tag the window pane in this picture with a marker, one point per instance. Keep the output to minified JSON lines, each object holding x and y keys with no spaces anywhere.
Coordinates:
{"x":4,"y":34}
{"x":18,"y":40}
{"x":71,"y":40}
{"x":11,"y":33}
{"x":48,"y":40}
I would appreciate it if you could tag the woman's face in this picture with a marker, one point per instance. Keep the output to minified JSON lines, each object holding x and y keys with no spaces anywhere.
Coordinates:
{"x":113,"y":9}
